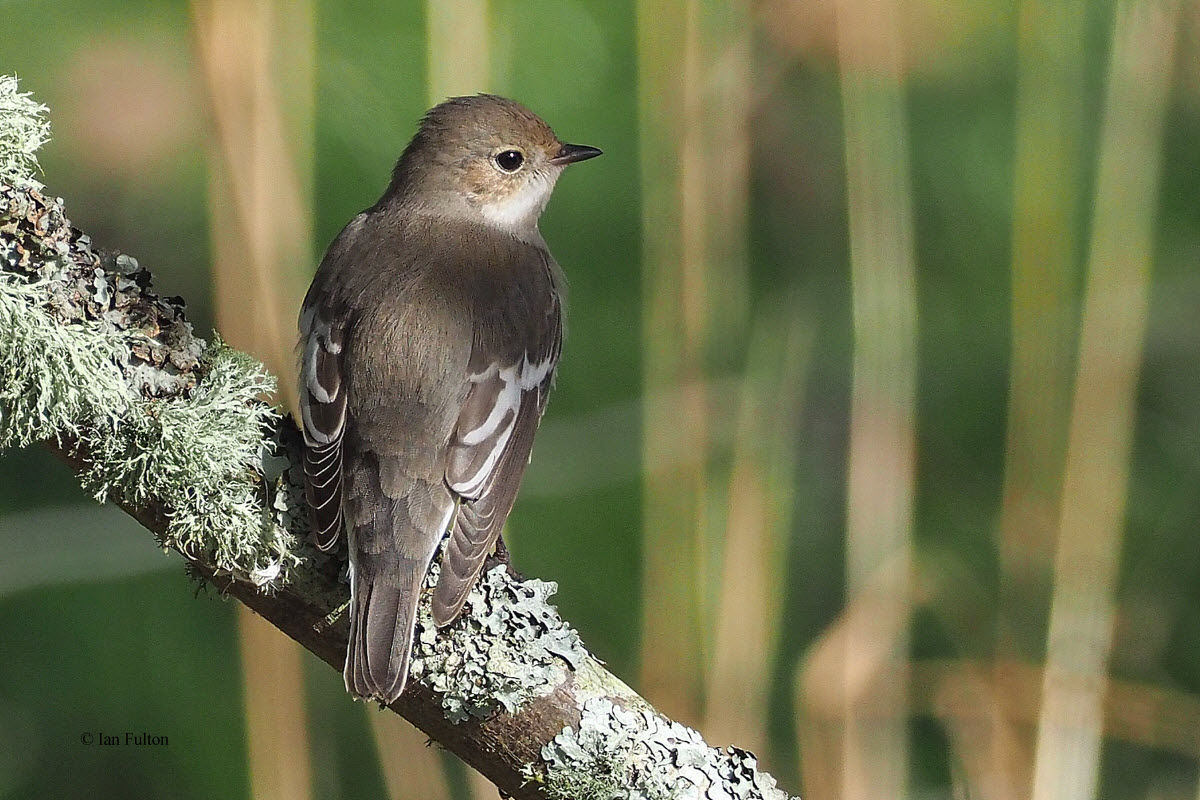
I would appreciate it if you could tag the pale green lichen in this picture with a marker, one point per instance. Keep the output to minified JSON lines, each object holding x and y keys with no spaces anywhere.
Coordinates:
{"x":93,"y":358}
{"x":41,"y":394}
{"x":508,"y":647}
{"x":633,"y":753}
{"x":591,"y":679}
{"x":201,"y":460}
{"x":284,"y":478}
{"x":24,"y":130}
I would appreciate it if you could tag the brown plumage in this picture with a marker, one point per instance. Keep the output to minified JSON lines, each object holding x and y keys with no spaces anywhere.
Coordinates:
{"x":429,"y":340}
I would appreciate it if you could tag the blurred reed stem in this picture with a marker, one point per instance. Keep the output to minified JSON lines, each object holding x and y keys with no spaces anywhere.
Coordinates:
{"x":672,"y":550}
{"x":412,"y":770}
{"x":749,"y":516}
{"x":1095,"y":484}
{"x":758,"y":523}
{"x":1047,"y":210}
{"x":693,"y":104}
{"x":458,"y":48}
{"x":257,"y":57}
{"x":881,"y":461}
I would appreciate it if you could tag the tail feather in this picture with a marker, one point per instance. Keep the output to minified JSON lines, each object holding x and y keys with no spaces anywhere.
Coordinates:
{"x":395,"y":522}
{"x":383,"y":617}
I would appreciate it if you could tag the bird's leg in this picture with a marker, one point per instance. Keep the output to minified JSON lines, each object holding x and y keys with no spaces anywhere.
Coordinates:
{"x":501,"y":556}
{"x":500,"y":552}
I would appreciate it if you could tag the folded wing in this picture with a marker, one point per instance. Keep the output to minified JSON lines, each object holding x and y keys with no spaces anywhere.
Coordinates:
{"x":488,"y":453}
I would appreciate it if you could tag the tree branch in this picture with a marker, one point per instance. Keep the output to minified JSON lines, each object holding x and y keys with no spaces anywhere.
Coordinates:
{"x":169,"y":427}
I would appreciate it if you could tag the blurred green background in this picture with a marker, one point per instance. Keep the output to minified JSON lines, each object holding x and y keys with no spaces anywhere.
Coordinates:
{"x":876,"y":444}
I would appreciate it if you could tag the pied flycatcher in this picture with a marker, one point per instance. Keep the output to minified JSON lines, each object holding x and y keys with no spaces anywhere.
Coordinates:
{"x":429,"y":340}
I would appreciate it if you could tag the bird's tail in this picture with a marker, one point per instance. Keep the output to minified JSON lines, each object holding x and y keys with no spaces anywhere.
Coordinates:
{"x":383,"y":616}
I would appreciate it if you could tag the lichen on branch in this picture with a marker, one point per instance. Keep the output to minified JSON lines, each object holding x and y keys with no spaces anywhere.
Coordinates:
{"x":90,"y":356}
{"x":26,"y":129}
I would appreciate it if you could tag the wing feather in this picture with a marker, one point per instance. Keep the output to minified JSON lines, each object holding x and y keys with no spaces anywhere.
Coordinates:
{"x":487,"y":457}
{"x":323,"y":412}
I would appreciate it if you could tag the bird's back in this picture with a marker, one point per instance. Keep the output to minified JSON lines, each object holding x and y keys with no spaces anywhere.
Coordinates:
{"x":443,"y":303}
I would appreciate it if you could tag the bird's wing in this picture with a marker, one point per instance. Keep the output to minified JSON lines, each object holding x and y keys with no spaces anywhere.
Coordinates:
{"x":323,"y":412}
{"x":489,"y":451}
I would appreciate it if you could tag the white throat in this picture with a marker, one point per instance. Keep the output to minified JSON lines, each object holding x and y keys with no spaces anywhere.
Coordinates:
{"x":518,"y":213}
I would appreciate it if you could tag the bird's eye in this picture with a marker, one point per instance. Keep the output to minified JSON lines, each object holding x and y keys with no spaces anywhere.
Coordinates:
{"x":509,"y":160}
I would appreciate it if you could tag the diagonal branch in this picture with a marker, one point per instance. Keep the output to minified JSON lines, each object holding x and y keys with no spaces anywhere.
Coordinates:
{"x":170,"y":428}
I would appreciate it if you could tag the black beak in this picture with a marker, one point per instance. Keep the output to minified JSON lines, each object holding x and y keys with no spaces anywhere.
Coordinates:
{"x":570,"y":153}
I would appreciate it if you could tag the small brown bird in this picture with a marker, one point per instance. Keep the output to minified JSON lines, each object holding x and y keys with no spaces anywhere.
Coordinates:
{"x":429,"y":340}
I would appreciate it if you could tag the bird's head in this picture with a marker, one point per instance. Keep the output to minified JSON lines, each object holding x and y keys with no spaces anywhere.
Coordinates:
{"x":486,"y":158}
